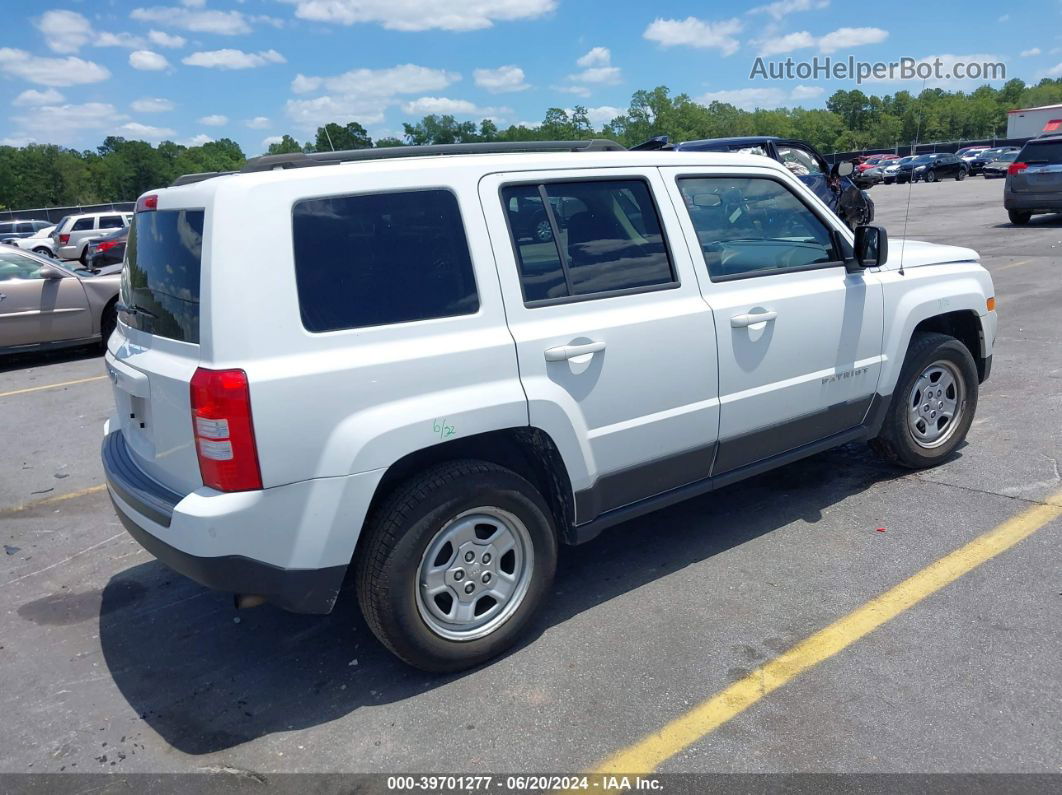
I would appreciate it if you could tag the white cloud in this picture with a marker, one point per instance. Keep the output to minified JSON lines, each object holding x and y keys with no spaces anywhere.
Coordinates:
{"x":233,"y":59}
{"x":598,"y":56}
{"x":148,"y":61}
{"x":783,"y":8}
{"x":68,"y":71}
{"x":1004,"y":18}
{"x":63,"y":124}
{"x":579,"y":91}
{"x":270,"y":140}
{"x":1033,"y":51}
{"x":603,"y":114}
{"x":502,"y":80}
{"x":31,"y":98}
{"x":165,"y":39}
{"x":752,"y":98}
{"x":807,"y":92}
{"x":453,"y":107}
{"x":361,"y":95}
{"x":843,"y":38}
{"x":197,"y":140}
{"x":193,"y":3}
{"x":404,"y":79}
{"x":258,"y":123}
{"x":786,"y":43}
{"x":409,"y":15}
{"x":152,"y":105}
{"x":144,"y":132}
{"x":222,"y":23}
{"x":69,"y":31}
{"x":598,"y":68}
{"x":1054,"y":71}
{"x":693,"y":32}
{"x":64,"y":31}
{"x":214,"y":120}
{"x":746,"y":98}
{"x":108,"y":39}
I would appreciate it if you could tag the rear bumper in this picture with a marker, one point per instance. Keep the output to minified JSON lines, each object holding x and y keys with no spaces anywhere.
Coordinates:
{"x":1035,"y":202}
{"x":150,"y":513}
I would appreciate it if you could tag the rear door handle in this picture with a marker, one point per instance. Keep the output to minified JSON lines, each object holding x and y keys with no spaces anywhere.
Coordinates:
{"x":752,"y":318}
{"x":563,"y":352}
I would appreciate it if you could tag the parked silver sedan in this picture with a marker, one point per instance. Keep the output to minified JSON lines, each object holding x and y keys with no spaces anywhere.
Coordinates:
{"x":43,"y":304}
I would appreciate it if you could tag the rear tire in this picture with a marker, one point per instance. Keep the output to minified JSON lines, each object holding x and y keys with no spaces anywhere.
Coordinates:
{"x":961,"y":175}
{"x":47,"y":252}
{"x":933,"y":404}
{"x":83,"y":259}
{"x":413,"y":573}
{"x":931,"y":176}
{"x":1019,"y":217}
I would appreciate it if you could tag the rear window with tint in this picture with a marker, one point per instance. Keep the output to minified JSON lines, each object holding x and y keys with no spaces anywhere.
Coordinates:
{"x":1045,"y":152}
{"x":81,"y":224}
{"x":383,"y":258}
{"x":161,"y":278}
{"x":6,"y":228}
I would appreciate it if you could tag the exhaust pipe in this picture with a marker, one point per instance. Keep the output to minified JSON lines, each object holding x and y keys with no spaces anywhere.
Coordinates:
{"x":244,"y":601}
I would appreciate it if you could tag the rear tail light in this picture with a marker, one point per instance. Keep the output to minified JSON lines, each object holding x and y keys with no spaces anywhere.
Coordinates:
{"x":1017,"y":168}
{"x":224,"y":432}
{"x":147,"y":203}
{"x":64,"y":239}
{"x":106,"y":245}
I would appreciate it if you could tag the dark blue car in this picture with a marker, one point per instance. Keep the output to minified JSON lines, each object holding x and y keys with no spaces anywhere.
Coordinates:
{"x":839,"y":193}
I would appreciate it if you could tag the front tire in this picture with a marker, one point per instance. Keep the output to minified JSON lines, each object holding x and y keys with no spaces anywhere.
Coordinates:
{"x":931,"y":176}
{"x":47,"y":252}
{"x":1019,"y":217}
{"x":455,"y":563}
{"x":933,"y":404}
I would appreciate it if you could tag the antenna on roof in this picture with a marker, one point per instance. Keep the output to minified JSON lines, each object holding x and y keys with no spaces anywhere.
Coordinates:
{"x":910,"y":182}
{"x":329,"y":137}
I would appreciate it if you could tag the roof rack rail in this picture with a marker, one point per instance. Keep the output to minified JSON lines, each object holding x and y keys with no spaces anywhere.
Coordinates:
{"x":303,"y":160}
{"x":188,"y":179}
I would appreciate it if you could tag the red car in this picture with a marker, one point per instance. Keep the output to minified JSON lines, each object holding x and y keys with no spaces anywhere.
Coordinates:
{"x":875,"y":160}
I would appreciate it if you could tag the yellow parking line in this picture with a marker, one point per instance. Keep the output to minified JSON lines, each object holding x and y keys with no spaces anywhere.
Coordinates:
{"x":51,"y":386}
{"x":1014,"y":265}
{"x":682,"y":732}
{"x":51,"y":500}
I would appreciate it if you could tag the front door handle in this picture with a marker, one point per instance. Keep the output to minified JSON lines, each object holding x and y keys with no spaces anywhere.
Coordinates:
{"x":752,"y":318}
{"x":563,"y":352}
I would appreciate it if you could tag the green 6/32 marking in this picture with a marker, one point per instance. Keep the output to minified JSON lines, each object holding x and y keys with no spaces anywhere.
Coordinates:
{"x":440,"y":427}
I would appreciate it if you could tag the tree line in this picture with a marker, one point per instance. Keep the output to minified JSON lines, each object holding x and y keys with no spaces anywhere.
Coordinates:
{"x":41,"y":175}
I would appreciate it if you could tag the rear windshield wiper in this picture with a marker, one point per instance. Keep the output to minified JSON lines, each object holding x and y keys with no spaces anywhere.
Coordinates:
{"x":135,"y":310}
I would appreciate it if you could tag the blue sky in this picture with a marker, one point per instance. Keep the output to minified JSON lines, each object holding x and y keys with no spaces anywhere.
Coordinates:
{"x":189,"y":70}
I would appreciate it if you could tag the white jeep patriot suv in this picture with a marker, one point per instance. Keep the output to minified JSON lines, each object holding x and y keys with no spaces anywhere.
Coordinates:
{"x":378,"y":362}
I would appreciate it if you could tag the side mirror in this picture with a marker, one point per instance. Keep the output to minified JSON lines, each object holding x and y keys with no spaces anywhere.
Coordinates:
{"x":842,"y":169}
{"x":50,"y":272}
{"x":871,"y":247}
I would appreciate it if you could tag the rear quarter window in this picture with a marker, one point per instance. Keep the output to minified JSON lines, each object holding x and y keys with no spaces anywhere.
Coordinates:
{"x":83,"y":224}
{"x":379,"y":259}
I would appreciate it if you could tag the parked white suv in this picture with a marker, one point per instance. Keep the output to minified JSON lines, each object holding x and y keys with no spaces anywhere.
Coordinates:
{"x":393,"y":375}
{"x":72,"y":233}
